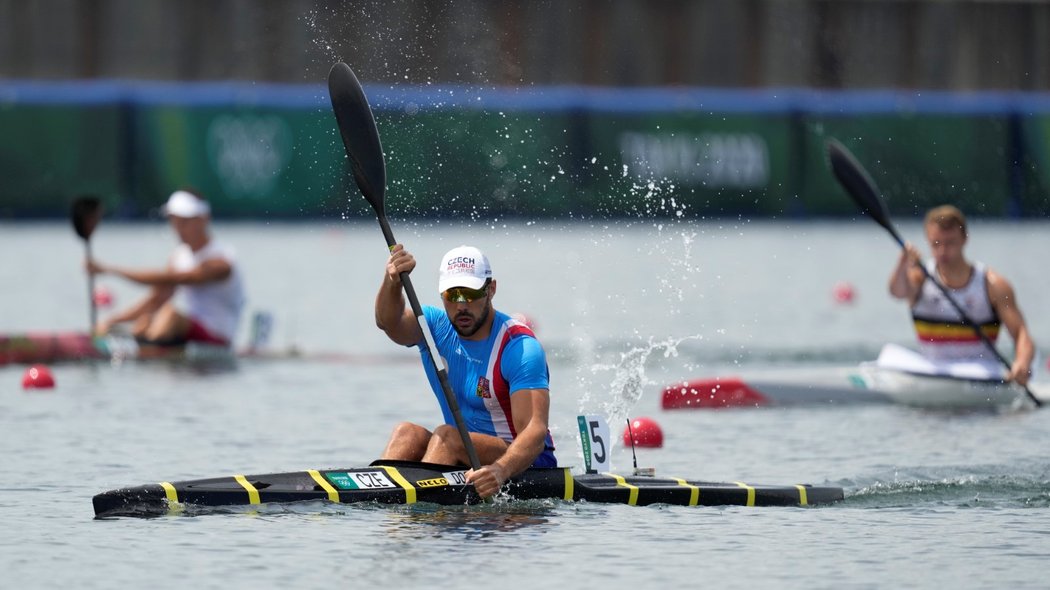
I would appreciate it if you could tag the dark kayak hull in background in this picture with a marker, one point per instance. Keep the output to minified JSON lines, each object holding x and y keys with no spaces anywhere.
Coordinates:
{"x":72,"y":347}
{"x":60,"y":347}
{"x":397,"y":482}
{"x":48,"y":347}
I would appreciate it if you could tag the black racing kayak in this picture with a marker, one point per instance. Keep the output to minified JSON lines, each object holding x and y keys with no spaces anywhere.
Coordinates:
{"x":401,"y":482}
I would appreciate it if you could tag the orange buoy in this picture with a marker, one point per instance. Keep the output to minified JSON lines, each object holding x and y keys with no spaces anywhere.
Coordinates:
{"x":646,"y":431}
{"x":103,"y":296}
{"x":38,"y":377}
{"x":843,"y":292}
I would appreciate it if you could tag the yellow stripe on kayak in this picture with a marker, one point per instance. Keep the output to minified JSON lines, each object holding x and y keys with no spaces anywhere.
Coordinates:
{"x":802,"y":498}
{"x":253,"y":494}
{"x":694,"y":492}
{"x":174,"y":506}
{"x":410,"y":491}
{"x":569,"y":484}
{"x":620,"y":481}
{"x":333,"y":495}
{"x":169,"y":491}
{"x":750,"y":492}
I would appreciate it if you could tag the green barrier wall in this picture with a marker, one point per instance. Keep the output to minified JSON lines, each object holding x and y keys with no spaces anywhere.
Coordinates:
{"x":711,"y":163}
{"x":248,"y":161}
{"x":478,"y":164}
{"x":918,"y":161}
{"x":569,"y":162}
{"x":578,"y":165}
{"x":1033,"y":175}
{"x":49,"y":154}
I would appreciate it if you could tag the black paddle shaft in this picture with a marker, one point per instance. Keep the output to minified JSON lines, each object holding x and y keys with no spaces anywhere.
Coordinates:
{"x":357,"y":126}
{"x":85,"y":214}
{"x":862,"y":189}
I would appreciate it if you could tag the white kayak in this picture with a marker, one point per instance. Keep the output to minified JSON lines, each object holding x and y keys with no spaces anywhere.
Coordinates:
{"x":899,"y":376}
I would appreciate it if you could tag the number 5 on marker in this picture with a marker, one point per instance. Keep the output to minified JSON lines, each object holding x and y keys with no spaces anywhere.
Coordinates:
{"x":594,"y":436}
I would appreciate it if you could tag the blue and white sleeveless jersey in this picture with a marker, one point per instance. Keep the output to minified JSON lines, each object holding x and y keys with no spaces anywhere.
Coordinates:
{"x":485,"y":374}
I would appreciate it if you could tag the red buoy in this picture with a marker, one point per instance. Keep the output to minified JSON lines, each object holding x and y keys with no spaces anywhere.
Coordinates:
{"x":843,"y":292}
{"x":716,"y":392}
{"x":38,"y":377}
{"x":646,"y":431}
{"x":103,"y":296}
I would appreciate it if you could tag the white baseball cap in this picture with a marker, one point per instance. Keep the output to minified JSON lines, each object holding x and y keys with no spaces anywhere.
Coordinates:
{"x":185,"y":204}
{"x":464,"y":266}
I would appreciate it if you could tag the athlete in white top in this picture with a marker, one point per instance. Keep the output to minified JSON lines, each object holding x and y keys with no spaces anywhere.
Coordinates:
{"x":198,"y":297}
{"x":986,"y":296}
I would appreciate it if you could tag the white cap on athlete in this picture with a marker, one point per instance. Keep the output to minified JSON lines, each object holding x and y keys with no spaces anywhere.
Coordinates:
{"x":464,"y":266}
{"x":185,"y":204}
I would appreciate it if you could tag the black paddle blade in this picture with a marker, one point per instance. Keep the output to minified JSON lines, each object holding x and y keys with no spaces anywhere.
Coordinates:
{"x":86,"y":213}
{"x":858,"y":183}
{"x":357,"y":126}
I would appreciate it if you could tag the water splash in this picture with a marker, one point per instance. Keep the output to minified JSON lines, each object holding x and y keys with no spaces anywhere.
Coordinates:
{"x":629,"y":380}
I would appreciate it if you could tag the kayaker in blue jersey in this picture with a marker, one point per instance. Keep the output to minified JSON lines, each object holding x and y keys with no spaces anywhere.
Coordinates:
{"x":496,"y":366}
{"x":984,"y":294}
{"x":197,"y":297}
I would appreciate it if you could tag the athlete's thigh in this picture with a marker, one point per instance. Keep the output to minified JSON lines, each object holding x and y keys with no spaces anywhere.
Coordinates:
{"x":174,"y":323}
{"x":168,"y":323}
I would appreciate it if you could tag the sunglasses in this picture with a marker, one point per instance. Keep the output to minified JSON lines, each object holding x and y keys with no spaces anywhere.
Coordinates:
{"x":465,"y":294}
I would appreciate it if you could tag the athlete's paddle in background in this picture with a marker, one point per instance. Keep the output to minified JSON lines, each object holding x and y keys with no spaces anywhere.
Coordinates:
{"x":357,"y":127}
{"x":86,"y":213}
{"x":855,"y":179}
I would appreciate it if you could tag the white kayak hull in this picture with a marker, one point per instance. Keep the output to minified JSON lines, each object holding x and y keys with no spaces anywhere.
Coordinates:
{"x":886,"y":382}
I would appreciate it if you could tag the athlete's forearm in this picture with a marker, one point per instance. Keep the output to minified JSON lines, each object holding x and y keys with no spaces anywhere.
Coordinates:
{"x":523,"y":451}
{"x":393,"y":318}
{"x":902,"y":282}
{"x":143,"y":277}
{"x":1024,"y":348}
{"x":148,"y":304}
{"x":390,"y":304}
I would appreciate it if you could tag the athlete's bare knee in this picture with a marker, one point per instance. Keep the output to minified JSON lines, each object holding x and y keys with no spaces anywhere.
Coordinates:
{"x":445,"y":431}
{"x":445,"y":446}
{"x":408,"y":429}
{"x":408,"y":442}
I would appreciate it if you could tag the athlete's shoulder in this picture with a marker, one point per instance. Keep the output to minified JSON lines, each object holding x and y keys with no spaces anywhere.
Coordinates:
{"x":525,"y":349}
{"x":513,"y":326}
{"x":998,"y":287}
{"x":434,"y":315}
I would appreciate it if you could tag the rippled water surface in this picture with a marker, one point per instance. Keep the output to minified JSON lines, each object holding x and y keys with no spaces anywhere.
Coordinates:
{"x":933,"y":499}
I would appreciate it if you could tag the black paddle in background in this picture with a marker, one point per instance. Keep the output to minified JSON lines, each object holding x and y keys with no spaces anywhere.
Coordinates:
{"x":855,"y":179}
{"x":357,"y":126}
{"x":86,"y":213}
